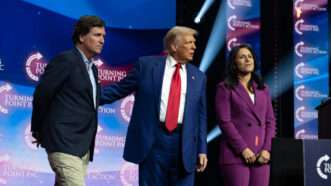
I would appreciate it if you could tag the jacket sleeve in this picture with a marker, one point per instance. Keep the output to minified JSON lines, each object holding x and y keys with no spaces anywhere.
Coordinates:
{"x":122,"y":88}
{"x":203,"y":120}
{"x":50,"y":82}
{"x":223,"y":113}
{"x":270,"y":123}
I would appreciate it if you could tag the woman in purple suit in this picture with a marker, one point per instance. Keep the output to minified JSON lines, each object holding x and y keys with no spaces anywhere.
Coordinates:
{"x":246,"y":118}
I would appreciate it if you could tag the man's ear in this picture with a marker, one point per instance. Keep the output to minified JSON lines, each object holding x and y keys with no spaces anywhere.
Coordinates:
{"x":173,"y":47}
{"x":81,"y":38}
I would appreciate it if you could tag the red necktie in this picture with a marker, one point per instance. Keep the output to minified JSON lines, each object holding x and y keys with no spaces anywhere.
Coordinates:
{"x":173,"y":101}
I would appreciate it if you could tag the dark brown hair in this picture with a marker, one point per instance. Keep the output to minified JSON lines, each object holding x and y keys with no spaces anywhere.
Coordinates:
{"x":84,"y":25}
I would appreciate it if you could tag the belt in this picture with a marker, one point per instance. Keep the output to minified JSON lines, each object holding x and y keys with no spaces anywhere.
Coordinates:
{"x":178,"y":129}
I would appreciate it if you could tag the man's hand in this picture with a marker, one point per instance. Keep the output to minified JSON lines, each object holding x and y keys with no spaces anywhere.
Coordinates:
{"x":202,"y":162}
{"x":37,"y":138}
{"x":264,"y":157}
{"x":248,"y":156}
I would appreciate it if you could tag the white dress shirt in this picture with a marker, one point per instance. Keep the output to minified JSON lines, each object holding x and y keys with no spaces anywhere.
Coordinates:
{"x":252,"y":96}
{"x":169,"y":70}
{"x":89,"y":69}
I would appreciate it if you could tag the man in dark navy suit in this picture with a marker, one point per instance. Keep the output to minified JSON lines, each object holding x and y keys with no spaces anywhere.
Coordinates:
{"x":167,"y":130}
{"x":65,"y":104}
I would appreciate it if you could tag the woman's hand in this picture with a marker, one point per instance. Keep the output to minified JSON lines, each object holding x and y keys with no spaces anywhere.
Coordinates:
{"x":249,"y":156}
{"x":264,"y":157}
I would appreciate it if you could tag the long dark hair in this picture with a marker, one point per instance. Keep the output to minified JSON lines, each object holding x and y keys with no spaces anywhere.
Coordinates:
{"x":231,"y":79}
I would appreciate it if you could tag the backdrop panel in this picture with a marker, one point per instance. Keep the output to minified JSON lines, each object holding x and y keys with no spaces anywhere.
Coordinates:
{"x":32,"y":33}
{"x":311,"y":64}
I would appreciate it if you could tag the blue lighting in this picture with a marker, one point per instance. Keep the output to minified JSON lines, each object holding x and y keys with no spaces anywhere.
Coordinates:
{"x":213,"y":134}
{"x":206,"y":5}
{"x":216,"y":39}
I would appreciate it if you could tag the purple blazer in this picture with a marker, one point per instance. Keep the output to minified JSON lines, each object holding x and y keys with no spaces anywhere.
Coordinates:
{"x":243,"y":123}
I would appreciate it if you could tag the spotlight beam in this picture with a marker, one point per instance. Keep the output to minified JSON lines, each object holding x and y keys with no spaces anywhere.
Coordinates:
{"x":213,"y":134}
{"x":206,"y":5}
{"x":216,"y":39}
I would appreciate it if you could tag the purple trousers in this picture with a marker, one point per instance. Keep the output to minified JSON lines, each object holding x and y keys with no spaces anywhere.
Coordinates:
{"x":243,"y":175}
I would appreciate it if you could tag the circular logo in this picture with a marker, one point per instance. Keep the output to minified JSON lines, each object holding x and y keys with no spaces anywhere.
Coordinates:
{"x":129,"y":174}
{"x":232,"y":43}
{"x":298,"y":8}
{"x":322,"y":160}
{"x":229,"y":22}
{"x":297,"y":48}
{"x":298,"y":91}
{"x":298,"y":113}
{"x":126,"y":107}
{"x":297,"y":69}
{"x":297,"y":26}
{"x":299,"y":134}
{"x":35,"y":66}
{"x":230,"y":4}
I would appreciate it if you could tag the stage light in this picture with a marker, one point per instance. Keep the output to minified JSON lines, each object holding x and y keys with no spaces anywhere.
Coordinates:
{"x":283,"y":79}
{"x":206,"y":5}
{"x":213,"y":134}
{"x":214,"y":44}
{"x":216,"y":39}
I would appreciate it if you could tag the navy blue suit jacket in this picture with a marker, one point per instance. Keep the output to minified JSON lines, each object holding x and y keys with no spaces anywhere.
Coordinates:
{"x":63,"y":110}
{"x":146,"y":81}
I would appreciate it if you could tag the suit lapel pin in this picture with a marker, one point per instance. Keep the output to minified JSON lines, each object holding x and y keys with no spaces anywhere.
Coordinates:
{"x":193,"y":77}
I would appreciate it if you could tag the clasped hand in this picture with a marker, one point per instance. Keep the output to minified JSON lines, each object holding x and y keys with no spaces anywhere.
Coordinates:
{"x":263,"y":157}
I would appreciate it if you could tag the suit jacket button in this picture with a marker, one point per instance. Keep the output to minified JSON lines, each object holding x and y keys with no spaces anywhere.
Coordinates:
{"x":249,"y":124}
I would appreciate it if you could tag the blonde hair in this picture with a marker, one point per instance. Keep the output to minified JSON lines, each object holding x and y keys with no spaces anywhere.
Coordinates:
{"x":174,"y":34}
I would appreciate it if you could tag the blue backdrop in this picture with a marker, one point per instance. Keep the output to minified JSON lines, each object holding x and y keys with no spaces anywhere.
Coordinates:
{"x":243,"y":25}
{"x":311,"y":62}
{"x":32,"y":32}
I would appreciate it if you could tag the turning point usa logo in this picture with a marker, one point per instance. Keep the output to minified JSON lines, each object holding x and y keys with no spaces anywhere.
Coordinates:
{"x":301,"y":27}
{"x":35,"y":66}
{"x":9,"y":98}
{"x":300,"y":48}
{"x":108,"y":74}
{"x":303,"y":69}
{"x":323,"y":167}
{"x":234,"y":23}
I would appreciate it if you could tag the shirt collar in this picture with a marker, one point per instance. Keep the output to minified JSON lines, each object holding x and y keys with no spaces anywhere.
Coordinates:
{"x":171,"y":62}
{"x":83,"y":57}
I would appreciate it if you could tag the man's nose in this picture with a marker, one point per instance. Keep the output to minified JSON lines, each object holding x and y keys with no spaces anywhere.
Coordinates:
{"x":102,"y":41}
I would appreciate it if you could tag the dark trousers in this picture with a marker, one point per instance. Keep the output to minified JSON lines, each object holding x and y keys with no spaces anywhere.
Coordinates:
{"x":163,"y":166}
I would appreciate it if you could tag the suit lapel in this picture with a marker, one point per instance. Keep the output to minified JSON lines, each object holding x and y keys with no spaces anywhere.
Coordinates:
{"x":96,"y":78}
{"x":239,"y":89}
{"x":85,"y":75}
{"x":259,"y":96}
{"x":158,"y":71}
{"x":190,"y":78}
